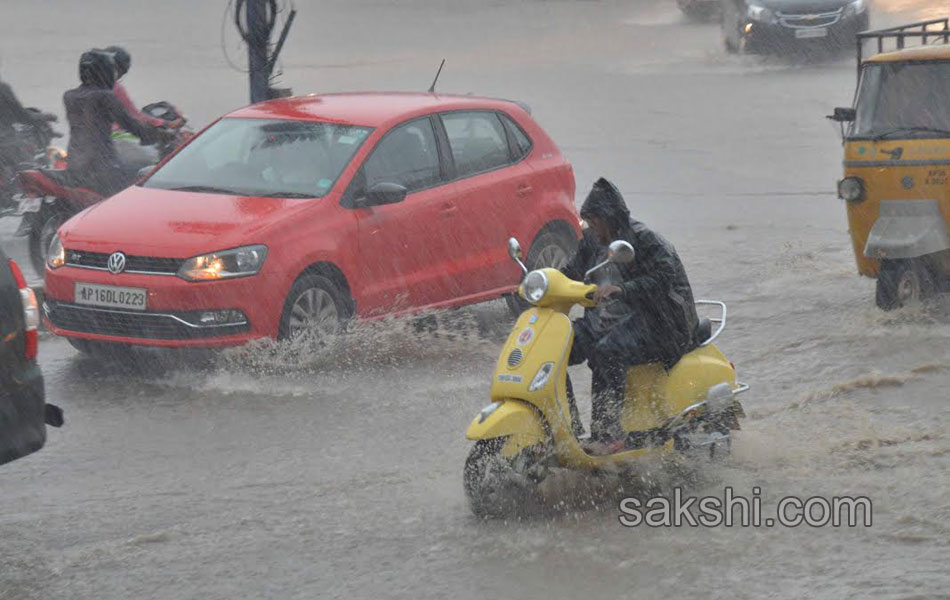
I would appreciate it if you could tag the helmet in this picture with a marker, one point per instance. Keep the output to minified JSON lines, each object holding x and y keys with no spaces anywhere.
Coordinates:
{"x":123,"y":60}
{"x":96,"y":68}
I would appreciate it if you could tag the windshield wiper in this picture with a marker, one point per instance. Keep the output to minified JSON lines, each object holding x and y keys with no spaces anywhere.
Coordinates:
{"x":881,"y":136}
{"x":286,"y":195}
{"x":210,"y":189}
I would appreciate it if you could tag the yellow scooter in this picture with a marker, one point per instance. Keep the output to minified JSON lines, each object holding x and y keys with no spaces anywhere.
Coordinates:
{"x":531,"y":424}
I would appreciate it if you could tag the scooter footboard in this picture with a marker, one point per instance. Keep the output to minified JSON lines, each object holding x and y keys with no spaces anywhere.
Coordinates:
{"x":514,"y":419}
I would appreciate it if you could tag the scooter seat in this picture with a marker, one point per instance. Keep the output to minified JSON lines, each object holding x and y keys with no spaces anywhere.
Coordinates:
{"x":703,"y":330}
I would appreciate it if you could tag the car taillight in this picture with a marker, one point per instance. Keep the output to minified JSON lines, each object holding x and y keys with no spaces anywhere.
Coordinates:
{"x":31,"y":313}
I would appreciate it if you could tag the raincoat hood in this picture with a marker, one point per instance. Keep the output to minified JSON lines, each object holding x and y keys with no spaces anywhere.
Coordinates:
{"x":605,"y":200}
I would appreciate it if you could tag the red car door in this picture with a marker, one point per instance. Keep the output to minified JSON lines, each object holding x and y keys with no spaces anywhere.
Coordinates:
{"x":494,"y":199}
{"x":403,"y":247}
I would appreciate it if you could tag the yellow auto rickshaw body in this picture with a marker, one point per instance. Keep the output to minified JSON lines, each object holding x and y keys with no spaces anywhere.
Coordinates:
{"x":903,"y":175}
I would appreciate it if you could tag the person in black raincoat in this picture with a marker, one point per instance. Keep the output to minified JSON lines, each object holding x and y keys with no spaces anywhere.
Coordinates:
{"x":11,"y":152}
{"x":645,"y":310}
{"x":91,"y":109}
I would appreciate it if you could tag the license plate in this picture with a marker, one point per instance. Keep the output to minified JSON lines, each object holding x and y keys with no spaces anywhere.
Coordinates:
{"x":29,"y":205}
{"x":818,"y":32}
{"x":111,"y":296}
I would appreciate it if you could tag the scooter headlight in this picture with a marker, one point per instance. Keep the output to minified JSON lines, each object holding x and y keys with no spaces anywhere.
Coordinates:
{"x":851,"y":189}
{"x":541,"y":377}
{"x":535,"y":286}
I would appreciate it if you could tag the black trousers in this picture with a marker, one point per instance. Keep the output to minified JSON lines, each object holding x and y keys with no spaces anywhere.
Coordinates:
{"x":609,"y":355}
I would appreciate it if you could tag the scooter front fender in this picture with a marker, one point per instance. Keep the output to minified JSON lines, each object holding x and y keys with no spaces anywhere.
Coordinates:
{"x":514,"y":419}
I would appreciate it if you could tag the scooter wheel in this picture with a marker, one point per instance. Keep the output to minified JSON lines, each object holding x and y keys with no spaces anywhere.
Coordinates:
{"x":493,"y":487}
{"x":40,"y":237}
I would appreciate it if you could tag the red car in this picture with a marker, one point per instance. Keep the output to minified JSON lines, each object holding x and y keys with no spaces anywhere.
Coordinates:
{"x":294,"y":215}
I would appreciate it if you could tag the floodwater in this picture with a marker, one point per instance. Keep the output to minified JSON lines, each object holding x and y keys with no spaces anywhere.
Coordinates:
{"x":279,"y":472}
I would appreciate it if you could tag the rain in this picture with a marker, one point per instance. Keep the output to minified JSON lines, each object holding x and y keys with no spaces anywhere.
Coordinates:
{"x":333,"y":467}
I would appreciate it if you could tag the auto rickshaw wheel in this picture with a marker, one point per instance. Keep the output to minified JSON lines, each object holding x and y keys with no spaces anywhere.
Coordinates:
{"x":903,"y":282}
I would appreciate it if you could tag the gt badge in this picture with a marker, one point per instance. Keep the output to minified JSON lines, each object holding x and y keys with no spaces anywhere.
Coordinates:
{"x":525,"y":337}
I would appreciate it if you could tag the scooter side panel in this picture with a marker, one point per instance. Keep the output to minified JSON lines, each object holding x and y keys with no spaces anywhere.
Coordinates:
{"x":660,"y":395}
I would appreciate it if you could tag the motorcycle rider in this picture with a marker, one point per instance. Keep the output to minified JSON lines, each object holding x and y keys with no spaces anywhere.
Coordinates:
{"x":91,"y":109}
{"x":11,"y":113}
{"x":645,"y":310}
{"x":123,"y":61}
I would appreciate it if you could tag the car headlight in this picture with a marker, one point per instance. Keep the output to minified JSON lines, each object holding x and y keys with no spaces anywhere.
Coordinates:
{"x":56,"y":255}
{"x":759,"y":13}
{"x":541,"y":377}
{"x":226,"y":264}
{"x":851,"y":189}
{"x":535,"y":286}
{"x":857,"y":7}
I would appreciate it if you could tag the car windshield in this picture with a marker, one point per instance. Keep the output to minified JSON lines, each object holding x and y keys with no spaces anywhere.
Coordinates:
{"x":906,"y":99}
{"x":260,"y":157}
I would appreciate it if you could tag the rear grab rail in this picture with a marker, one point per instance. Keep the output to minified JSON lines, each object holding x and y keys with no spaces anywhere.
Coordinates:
{"x":720,"y":320}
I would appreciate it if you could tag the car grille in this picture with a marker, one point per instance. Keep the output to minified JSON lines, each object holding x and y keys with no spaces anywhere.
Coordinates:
{"x":158,"y":326}
{"x":807,"y":21}
{"x":133,"y":264}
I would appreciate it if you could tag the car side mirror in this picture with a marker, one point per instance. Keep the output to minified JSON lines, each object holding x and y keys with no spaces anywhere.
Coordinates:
{"x":844,"y":115}
{"x":384,"y":193}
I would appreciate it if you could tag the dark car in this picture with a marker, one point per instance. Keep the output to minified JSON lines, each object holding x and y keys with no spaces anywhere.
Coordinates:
{"x":763,"y":25}
{"x":24,"y":413}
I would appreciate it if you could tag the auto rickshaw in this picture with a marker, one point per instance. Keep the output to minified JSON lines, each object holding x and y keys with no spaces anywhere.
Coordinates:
{"x":896,"y":184}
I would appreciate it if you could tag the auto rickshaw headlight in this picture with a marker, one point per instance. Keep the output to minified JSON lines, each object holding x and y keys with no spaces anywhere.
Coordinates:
{"x":535,"y":286}
{"x":851,"y":189}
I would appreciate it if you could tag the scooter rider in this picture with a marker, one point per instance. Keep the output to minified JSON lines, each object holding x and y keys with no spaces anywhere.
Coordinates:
{"x":645,"y":310}
{"x":91,"y":109}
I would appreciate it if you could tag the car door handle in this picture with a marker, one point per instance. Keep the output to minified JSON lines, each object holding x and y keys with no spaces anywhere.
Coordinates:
{"x":523,"y":190}
{"x":448,"y":210}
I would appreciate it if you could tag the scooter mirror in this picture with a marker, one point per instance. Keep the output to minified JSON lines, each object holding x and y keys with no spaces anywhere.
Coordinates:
{"x":514,"y":249}
{"x":621,"y":252}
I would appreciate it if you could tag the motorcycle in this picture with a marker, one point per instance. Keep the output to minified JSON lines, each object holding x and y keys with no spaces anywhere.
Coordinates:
{"x":50,"y":197}
{"x":532,"y":424}
{"x":30,"y":148}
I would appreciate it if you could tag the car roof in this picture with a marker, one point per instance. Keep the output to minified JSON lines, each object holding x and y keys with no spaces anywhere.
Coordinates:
{"x":923,"y":53}
{"x":369,"y":109}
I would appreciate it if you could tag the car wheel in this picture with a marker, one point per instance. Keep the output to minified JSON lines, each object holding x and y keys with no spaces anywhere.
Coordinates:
{"x":551,"y":249}
{"x":40,"y":237}
{"x":903,"y":282}
{"x":315,"y":307}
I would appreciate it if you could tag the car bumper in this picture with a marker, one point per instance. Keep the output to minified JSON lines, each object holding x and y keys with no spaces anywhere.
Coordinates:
{"x":174,"y":309}
{"x":777,"y":35}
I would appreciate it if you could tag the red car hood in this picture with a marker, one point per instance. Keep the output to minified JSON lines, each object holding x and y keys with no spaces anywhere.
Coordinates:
{"x":153,"y":222}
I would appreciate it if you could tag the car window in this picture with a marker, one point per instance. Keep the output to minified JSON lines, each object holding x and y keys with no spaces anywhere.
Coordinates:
{"x":407,"y":155}
{"x":478,"y":141}
{"x":522,"y":141}
{"x":262,"y":157}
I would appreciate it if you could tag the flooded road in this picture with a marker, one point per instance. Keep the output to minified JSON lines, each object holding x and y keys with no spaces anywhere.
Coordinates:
{"x":278,"y":472}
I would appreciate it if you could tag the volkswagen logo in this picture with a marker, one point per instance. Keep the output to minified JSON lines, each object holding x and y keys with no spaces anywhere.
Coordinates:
{"x":116,"y":263}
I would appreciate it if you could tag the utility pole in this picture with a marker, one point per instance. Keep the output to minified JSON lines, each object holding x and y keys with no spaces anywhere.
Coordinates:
{"x":258,"y":37}
{"x":260,"y":17}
